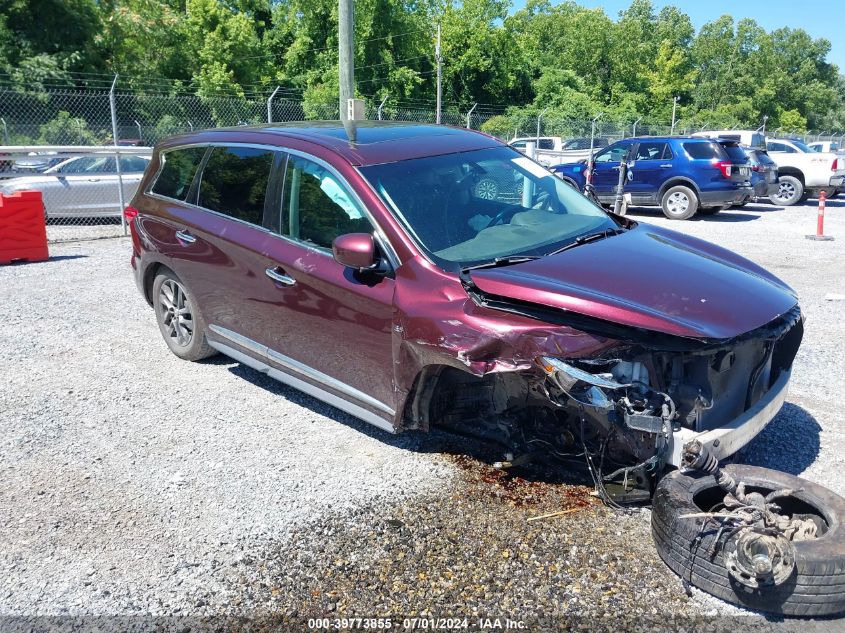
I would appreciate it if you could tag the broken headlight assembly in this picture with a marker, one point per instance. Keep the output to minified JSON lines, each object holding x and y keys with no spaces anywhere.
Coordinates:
{"x":622,"y":419}
{"x":619,"y":388}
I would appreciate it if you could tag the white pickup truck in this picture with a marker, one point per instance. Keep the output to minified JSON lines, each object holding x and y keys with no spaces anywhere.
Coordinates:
{"x":803,"y":172}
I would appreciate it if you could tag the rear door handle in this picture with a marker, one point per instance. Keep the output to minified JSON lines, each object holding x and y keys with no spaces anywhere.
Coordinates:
{"x":278,"y":275}
{"x":666,"y":166}
{"x":184,"y":236}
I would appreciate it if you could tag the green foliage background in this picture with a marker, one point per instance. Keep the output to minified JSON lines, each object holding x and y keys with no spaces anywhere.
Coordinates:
{"x":570,"y":59}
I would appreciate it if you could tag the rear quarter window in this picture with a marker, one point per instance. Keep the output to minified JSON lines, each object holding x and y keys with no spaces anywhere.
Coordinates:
{"x":176,"y":175}
{"x":703,"y":150}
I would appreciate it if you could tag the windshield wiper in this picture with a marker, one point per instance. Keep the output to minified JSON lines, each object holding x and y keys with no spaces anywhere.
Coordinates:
{"x":502,"y":261}
{"x":586,"y":239}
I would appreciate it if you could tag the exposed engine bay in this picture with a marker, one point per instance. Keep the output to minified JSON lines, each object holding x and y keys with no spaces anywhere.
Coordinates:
{"x":618,"y":410}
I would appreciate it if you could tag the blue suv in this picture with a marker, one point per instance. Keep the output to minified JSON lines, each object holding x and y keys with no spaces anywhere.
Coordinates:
{"x":682,"y":175}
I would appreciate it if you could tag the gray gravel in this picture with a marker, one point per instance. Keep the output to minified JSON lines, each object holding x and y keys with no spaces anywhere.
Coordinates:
{"x":135,"y":483}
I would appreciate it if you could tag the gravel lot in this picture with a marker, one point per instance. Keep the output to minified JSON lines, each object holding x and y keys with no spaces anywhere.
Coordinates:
{"x":138,"y":485}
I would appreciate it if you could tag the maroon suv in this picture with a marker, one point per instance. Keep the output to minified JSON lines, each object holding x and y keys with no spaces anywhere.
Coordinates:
{"x":370,"y":266}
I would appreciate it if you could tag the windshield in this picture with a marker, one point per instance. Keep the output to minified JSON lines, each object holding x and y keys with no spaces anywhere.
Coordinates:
{"x":473,"y":207}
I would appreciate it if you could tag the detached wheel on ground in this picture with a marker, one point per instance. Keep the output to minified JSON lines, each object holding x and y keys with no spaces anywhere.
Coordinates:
{"x":679,"y":203}
{"x":790,"y":191}
{"x":688,"y":545}
{"x":179,"y":319}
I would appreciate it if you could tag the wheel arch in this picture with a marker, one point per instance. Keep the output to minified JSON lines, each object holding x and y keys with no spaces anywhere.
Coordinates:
{"x":792,"y":171}
{"x":150,"y":274}
{"x":674,"y":182}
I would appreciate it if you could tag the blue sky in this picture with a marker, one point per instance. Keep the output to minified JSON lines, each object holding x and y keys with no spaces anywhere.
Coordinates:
{"x":820,"y":18}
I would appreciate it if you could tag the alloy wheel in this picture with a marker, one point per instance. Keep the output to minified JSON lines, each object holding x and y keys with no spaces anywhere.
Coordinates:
{"x":176,"y":312}
{"x":785,"y":191}
{"x":677,"y":203}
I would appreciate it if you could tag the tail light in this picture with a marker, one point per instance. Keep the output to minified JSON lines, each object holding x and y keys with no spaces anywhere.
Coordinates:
{"x":723,"y":166}
{"x":130,"y":213}
{"x":835,"y":165}
{"x":756,"y":168}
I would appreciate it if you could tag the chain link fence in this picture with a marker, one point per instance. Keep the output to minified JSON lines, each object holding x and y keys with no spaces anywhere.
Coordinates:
{"x":82,"y":190}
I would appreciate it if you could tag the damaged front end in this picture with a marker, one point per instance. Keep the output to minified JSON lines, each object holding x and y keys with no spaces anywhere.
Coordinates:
{"x":622,"y":398}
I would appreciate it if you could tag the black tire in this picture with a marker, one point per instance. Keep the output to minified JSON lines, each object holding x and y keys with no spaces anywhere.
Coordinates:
{"x":790,"y":191}
{"x":816,"y":586}
{"x":679,"y":211}
{"x":177,"y":315}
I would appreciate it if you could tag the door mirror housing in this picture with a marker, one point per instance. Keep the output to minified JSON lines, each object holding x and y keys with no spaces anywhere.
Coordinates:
{"x":355,"y":250}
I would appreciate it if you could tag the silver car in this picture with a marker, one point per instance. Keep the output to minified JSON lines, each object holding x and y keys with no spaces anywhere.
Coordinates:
{"x":84,"y":186}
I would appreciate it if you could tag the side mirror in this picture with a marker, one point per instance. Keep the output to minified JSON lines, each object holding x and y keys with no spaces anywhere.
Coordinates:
{"x":355,"y":250}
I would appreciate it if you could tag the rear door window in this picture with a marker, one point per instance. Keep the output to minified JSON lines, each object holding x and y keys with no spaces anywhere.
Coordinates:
{"x":706,"y":150}
{"x":180,"y":166}
{"x":317,"y":207}
{"x":234,"y":182}
{"x":546,"y":143}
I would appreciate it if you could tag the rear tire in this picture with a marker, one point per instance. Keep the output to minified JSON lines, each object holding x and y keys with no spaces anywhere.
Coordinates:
{"x":816,"y":586}
{"x":679,"y":203}
{"x":790,"y":191}
{"x":179,"y":320}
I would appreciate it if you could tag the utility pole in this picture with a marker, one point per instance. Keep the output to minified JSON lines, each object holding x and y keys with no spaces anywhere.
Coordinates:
{"x":674,"y":107}
{"x":439,"y":58}
{"x":346,"y":54}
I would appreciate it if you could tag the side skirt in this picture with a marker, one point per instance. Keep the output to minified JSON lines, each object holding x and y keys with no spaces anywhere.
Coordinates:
{"x":321,"y":394}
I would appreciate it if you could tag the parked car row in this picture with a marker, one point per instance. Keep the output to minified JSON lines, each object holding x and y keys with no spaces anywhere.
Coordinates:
{"x":682,"y":175}
{"x":707,"y":172}
{"x":802,"y":171}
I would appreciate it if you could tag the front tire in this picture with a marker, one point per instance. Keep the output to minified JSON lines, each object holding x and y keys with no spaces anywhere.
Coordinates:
{"x":179,"y":320}
{"x":790,"y":191}
{"x":679,"y":203}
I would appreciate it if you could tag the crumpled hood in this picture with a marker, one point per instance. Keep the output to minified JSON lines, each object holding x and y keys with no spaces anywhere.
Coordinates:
{"x":651,"y":278}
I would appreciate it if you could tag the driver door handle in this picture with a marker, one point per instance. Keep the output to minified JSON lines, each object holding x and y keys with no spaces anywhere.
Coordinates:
{"x":666,"y":166}
{"x":184,"y":236}
{"x":279,"y":276}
